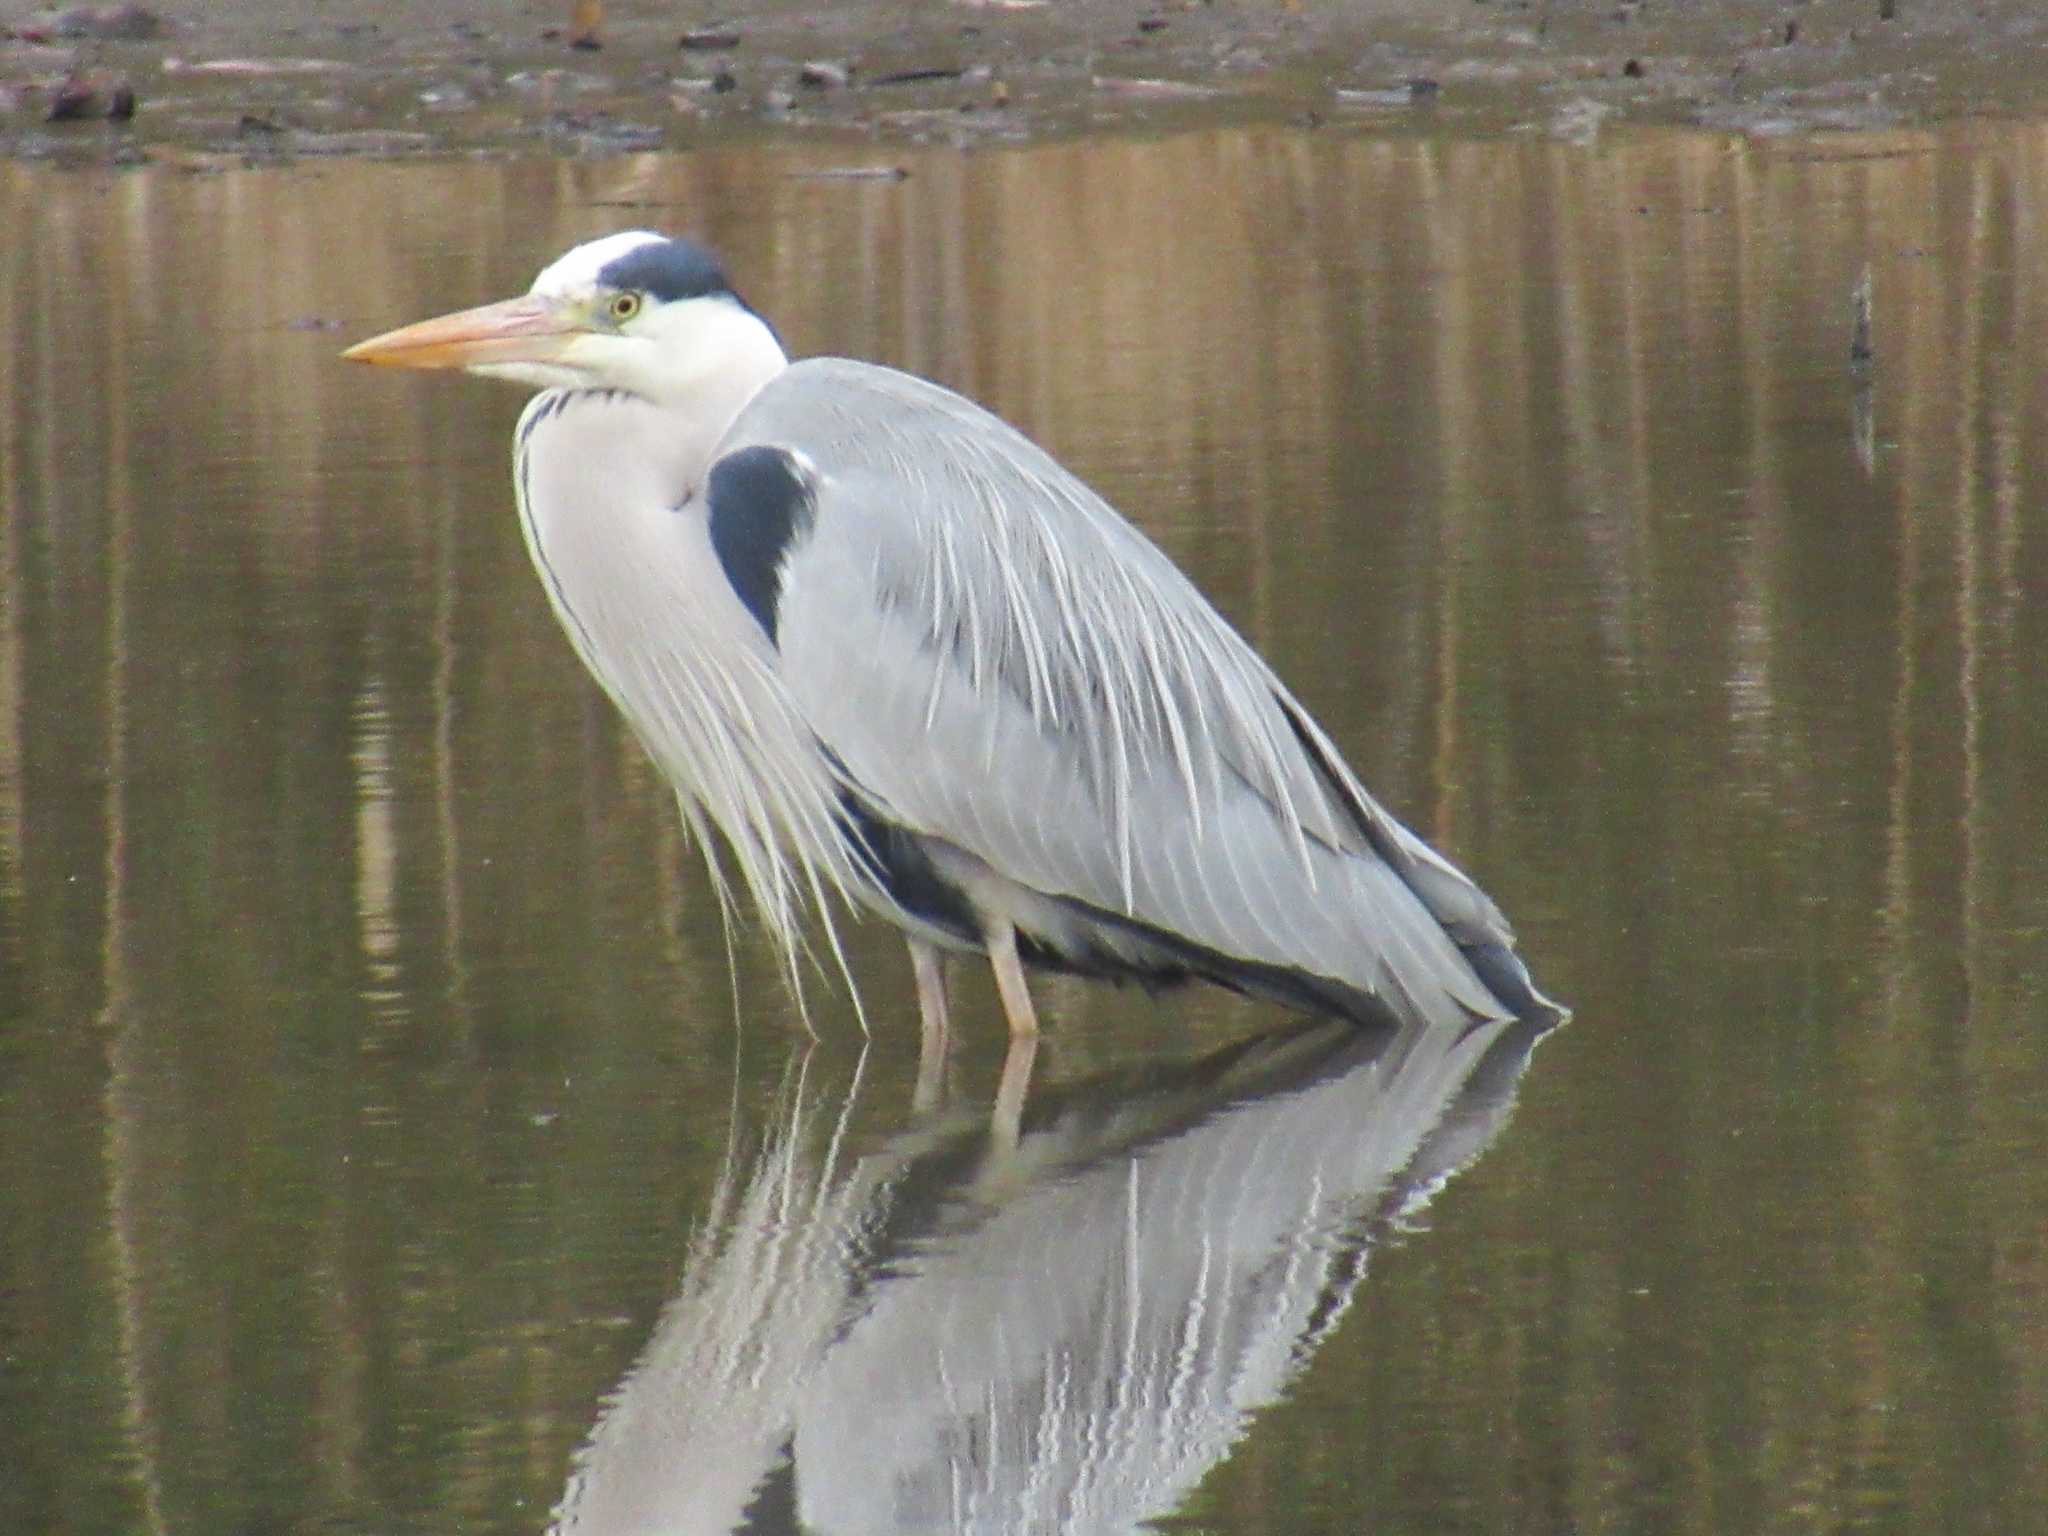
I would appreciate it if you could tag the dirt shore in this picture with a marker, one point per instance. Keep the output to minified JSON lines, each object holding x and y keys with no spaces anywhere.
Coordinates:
{"x":388,"y":77}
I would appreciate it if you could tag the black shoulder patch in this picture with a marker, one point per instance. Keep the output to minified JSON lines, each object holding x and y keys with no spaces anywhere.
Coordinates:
{"x":669,"y":270}
{"x":761,"y":500}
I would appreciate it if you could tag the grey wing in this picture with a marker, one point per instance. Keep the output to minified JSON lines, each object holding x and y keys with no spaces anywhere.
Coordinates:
{"x":1008,"y":672}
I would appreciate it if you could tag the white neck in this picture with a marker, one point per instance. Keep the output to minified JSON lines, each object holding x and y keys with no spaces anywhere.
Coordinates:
{"x":731,"y":356}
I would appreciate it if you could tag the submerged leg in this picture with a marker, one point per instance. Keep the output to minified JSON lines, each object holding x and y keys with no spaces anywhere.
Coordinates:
{"x":1016,"y":996}
{"x":930,"y":968}
{"x":1006,"y":1124}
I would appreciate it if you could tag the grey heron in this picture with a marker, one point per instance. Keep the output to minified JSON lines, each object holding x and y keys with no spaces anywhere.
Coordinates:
{"x":895,"y":654}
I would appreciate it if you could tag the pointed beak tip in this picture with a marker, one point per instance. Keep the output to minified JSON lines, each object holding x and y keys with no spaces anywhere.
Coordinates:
{"x":517,"y":330}
{"x":397,"y":349}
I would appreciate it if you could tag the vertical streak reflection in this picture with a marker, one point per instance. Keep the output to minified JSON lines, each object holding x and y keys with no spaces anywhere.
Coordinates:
{"x":370,"y":755}
{"x":122,"y":1021}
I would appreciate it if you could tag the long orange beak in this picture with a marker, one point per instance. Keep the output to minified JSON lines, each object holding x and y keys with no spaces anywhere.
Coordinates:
{"x":521,"y":330}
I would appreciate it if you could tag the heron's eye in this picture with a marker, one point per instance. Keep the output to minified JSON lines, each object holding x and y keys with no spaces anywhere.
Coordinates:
{"x":624,"y":306}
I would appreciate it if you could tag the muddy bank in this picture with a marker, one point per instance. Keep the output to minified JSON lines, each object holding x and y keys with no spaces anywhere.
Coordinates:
{"x":132,"y":82}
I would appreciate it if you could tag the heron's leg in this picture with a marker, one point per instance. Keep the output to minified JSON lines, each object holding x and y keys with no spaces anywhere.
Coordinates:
{"x":1007,"y":1123}
{"x":1010,"y":986}
{"x":930,"y":967}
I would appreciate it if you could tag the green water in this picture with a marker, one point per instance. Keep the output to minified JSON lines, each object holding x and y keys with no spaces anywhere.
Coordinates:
{"x":371,"y":1078}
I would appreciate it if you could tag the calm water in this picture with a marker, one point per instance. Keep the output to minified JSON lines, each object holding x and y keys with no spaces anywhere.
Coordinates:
{"x":384,"y":1149}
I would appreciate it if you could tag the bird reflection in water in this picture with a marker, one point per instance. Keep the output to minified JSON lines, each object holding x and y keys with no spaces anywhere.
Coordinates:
{"x":1060,"y":1327}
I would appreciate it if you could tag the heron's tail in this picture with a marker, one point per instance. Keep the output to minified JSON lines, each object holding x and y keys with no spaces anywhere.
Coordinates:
{"x":1507,"y":978}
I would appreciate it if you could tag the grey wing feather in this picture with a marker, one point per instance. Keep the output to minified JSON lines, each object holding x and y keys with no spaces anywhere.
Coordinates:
{"x":1004,"y":664}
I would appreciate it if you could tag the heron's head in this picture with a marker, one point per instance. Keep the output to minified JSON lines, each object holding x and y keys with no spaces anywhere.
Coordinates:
{"x":637,"y":312}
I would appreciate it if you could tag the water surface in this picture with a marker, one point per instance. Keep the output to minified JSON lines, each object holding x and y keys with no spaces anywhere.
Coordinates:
{"x":373,"y":1093}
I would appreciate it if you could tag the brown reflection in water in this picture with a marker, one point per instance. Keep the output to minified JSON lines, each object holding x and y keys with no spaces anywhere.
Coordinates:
{"x":391,"y":1005}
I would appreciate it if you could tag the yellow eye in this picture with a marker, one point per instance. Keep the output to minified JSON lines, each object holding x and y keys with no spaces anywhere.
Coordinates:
{"x":624,"y":306}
